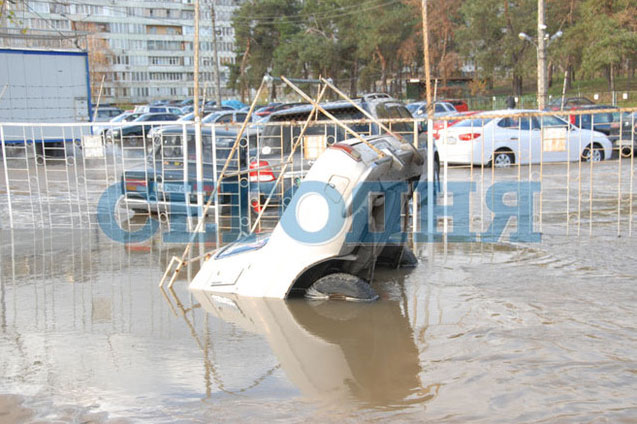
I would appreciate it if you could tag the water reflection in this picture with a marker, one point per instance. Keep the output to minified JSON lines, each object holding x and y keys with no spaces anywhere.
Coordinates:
{"x":333,"y":352}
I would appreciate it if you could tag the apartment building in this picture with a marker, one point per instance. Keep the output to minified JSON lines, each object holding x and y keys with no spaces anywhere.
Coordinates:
{"x":139,"y":51}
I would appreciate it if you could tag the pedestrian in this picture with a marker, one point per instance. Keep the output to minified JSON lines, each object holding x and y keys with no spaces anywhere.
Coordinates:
{"x":510,"y":102}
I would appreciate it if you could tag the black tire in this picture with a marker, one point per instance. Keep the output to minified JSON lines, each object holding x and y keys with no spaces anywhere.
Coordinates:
{"x":502,"y":159}
{"x":597,"y":154}
{"x":341,"y":286}
{"x":626,"y":152}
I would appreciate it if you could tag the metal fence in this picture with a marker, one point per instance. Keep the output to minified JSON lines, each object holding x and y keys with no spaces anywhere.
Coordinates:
{"x":157,"y":181}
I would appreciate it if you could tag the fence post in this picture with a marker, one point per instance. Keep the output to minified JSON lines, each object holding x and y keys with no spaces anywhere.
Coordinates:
{"x":6,"y":176}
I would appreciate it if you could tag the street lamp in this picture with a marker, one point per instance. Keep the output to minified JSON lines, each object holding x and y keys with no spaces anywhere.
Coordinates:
{"x":523,"y":36}
{"x":544,"y":40}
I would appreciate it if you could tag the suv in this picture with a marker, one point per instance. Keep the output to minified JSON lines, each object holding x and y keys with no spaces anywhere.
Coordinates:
{"x":106,"y":113}
{"x":158,"y":109}
{"x":276,"y":141}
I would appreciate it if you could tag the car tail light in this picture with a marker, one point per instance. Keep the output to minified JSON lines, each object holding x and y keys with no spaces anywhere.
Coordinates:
{"x":469,"y":136}
{"x":134,"y":184}
{"x":255,"y":205}
{"x":436,"y":135}
{"x":349,"y":150}
{"x":571,"y":119}
{"x":261,"y":175}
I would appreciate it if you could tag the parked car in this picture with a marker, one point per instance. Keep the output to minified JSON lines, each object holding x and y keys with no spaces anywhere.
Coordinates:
{"x":122,"y":117}
{"x":231,"y":118}
{"x":275,"y":141}
{"x":275,"y":107}
{"x":158,"y":109}
{"x":263,"y":111}
{"x":607,"y":122}
{"x":133,"y":133}
{"x":503,"y":142}
{"x":439,"y":125}
{"x":460,"y":105}
{"x":419,"y":109}
{"x":627,"y":143}
{"x":159,"y":185}
{"x":106,"y":113}
{"x":569,"y":103}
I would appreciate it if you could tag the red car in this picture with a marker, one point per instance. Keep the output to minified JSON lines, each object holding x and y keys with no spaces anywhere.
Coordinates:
{"x":460,"y":105}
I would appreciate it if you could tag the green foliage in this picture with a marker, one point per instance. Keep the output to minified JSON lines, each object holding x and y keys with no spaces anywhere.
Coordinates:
{"x":361,"y":43}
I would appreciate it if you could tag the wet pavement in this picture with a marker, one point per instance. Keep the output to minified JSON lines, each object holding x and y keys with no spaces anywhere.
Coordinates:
{"x":508,"y":333}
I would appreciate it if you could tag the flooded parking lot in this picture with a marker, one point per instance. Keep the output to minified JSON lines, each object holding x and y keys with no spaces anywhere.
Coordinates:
{"x":479,"y":331}
{"x":476,"y":332}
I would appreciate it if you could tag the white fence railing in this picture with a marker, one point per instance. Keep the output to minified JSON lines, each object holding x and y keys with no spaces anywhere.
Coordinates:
{"x":137,"y":182}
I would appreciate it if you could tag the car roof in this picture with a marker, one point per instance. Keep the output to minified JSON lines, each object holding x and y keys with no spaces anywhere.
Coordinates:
{"x":339,"y":104}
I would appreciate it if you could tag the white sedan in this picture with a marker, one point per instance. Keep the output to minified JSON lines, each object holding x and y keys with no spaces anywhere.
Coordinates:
{"x":503,"y":141}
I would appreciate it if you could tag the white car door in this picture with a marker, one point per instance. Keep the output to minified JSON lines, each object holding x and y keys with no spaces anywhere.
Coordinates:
{"x":513,"y":134}
{"x":554,"y":134}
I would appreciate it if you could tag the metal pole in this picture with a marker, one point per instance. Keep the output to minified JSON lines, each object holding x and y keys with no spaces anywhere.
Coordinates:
{"x":430,"y":140}
{"x":541,"y":56}
{"x":6,"y":176}
{"x":99,"y":99}
{"x":198,"y":146}
{"x":216,"y":52}
{"x":195,"y":103}
{"x":564,"y":89}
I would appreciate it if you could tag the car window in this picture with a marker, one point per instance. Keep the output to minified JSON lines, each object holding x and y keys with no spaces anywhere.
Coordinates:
{"x":552,"y":121}
{"x":211,"y":117}
{"x":413,"y":107}
{"x":439,"y":108}
{"x":509,"y":123}
{"x":603,"y":118}
{"x":241,"y":117}
{"x":583,"y":121}
{"x":475,"y":123}
{"x":225,"y":119}
{"x":393,"y":111}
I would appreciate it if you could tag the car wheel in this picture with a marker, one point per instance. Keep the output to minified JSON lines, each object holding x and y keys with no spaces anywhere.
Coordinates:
{"x":592,"y":154}
{"x":503,"y":159}
{"x":341,"y":286}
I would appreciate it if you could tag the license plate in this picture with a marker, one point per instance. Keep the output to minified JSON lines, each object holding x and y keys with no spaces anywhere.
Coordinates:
{"x":173,"y":187}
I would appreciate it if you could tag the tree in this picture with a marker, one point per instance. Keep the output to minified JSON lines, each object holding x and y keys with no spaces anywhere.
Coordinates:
{"x":260,"y":27}
{"x":490,"y":38}
{"x":610,"y":31}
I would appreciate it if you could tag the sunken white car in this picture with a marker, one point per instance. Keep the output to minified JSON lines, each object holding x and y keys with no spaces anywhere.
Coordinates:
{"x":504,"y":141}
{"x":342,"y":220}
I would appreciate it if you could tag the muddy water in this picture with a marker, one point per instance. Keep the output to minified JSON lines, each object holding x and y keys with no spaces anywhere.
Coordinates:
{"x":477,"y":332}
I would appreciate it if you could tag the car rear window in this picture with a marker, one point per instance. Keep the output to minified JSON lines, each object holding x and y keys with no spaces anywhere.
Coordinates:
{"x":279,"y":137}
{"x":475,"y":123}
